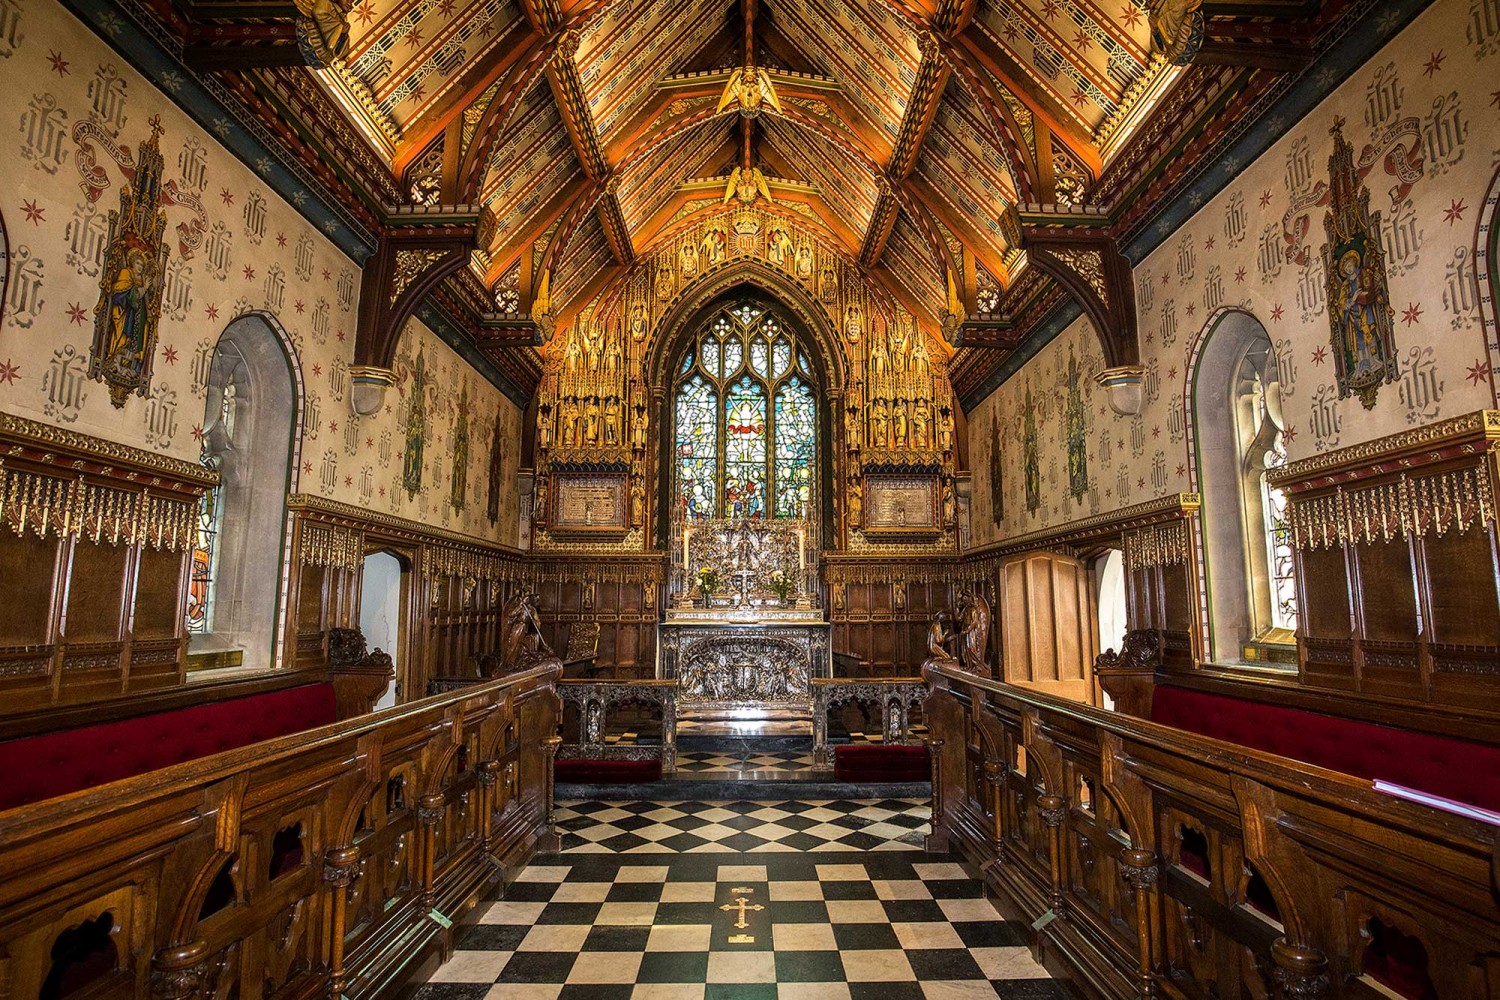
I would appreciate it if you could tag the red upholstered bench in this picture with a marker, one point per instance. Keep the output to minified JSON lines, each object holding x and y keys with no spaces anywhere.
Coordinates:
{"x":877,"y":762}
{"x":606,"y":771}
{"x":46,"y":766}
{"x":1439,"y":765}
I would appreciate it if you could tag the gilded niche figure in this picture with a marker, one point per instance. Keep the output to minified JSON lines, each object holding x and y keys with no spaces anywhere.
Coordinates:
{"x":322,"y":31}
{"x":804,"y":267}
{"x":877,"y":357}
{"x":611,"y":422}
{"x":712,"y":247}
{"x":591,"y":349}
{"x":1077,"y":430}
{"x":880,"y":419}
{"x":612,"y":356}
{"x":591,"y":421}
{"x":664,"y":284}
{"x":1363,"y":333}
{"x":570,"y":422}
{"x":1177,"y":29}
{"x":921,"y":423}
{"x":638,"y":322}
{"x":543,"y":427}
{"x":828,"y":281}
{"x":854,"y":323}
{"x":688,"y":259}
{"x":416,"y":428}
{"x":778,"y":245}
{"x":899,"y":426}
{"x":572,"y":356}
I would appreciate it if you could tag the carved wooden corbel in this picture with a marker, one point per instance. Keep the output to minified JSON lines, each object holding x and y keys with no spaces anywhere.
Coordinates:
{"x":1083,"y":259}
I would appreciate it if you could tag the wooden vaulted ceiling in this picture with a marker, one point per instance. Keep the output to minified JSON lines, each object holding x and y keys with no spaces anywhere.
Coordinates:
{"x":908,"y":128}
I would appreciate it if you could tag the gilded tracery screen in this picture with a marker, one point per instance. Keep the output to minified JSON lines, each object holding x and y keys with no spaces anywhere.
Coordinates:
{"x":745,"y":419}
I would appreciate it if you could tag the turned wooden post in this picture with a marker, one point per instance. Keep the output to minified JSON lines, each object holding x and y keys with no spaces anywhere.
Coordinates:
{"x":488,"y":772}
{"x":1140,"y":871}
{"x":937,"y":838}
{"x":994,"y":779}
{"x":1300,"y":973}
{"x":177,"y":971}
{"x":340,"y":869}
{"x":430,"y":811}
{"x":1053,"y":811}
{"x":550,"y":841}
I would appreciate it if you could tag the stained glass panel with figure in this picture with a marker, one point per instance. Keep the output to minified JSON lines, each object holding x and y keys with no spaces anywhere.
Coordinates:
{"x":796,"y":448}
{"x":697,"y":448}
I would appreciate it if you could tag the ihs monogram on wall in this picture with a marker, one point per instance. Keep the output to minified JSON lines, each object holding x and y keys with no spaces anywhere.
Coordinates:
{"x":131,"y":281}
{"x":1359,"y":308}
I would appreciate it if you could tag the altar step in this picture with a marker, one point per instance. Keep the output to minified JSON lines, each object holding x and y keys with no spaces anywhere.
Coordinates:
{"x":762,"y":768}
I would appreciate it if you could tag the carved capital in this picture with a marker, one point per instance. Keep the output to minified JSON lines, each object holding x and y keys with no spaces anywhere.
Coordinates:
{"x":431,"y":808}
{"x":1052,"y":810}
{"x":1138,"y":868}
{"x":177,"y":972}
{"x":1301,"y":973}
{"x":341,"y":866}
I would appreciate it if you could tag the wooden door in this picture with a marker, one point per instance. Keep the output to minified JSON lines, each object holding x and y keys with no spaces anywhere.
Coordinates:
{"x":1049,"y":625}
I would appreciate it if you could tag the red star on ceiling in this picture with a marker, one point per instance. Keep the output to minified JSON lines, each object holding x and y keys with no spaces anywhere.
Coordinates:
{"x":1049,"y":9}
{"x":226,"y":196}
{"x":414,"y":38}
{"x":365,"y":12}
{"x":1276,"y":313}
{"x":1411,"y":313}
{"x":1079,"y":97}
{"x":169,"y":355}
{"x":446,"y":8}
{"x":211,"y":311}
{"x":1082,"y":41}
{"x":1434,"y":63}
{"x":35,"y":214}
{"x":9,"y":372}
{"x":1478,"y":372}
{"x":1130,"y":15}
{"x":76,"y":313}
{"x":59,"y":64}
{"x":1455,"y":211}
{"x":1320,"y":355}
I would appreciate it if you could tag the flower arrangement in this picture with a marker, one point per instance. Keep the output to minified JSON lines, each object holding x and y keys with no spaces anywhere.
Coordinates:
{"x":708,"y":581}
{"x":782,"y":583}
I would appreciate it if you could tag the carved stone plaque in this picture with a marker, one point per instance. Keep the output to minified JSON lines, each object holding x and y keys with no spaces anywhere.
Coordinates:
{"x":586,"y":503}
{"x":902,"y":504}
{"x":743,"y":668}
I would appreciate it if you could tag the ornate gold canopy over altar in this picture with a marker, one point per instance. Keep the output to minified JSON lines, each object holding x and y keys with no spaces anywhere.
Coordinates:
{"x":744,"y":633}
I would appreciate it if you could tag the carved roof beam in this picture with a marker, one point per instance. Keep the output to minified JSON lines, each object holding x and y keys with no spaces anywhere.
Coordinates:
{"x":573,"y":105}
{"x":505,"y":255}
{"x":417,"y":250}
{"x":1085,"y":262}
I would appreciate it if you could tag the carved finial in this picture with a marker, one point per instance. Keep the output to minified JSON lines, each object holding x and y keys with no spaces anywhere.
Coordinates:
{"x":1338,"y":126}
{"x":156,"y":126}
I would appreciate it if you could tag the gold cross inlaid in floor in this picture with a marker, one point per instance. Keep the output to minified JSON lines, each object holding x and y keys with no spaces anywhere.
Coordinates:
{"x":742,"y":904}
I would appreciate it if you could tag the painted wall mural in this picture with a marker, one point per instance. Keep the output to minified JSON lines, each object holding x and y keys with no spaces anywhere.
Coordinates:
{"x":1374,"y":202}
{"x":198,"y":240}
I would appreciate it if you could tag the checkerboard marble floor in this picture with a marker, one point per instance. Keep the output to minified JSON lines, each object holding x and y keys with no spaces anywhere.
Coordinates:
{"x":709,"y":763}
{"x":745,"y":827}
{"x":730,"y":925}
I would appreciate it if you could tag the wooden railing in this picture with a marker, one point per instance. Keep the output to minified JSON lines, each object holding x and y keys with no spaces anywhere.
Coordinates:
{"x":331,"y":863}
{"x":593,"y":701}
{"x":1151,"y":862}
{"x":894,"y":696}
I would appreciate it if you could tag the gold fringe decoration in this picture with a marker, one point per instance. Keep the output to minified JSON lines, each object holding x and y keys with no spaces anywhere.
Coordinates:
{"x":100,"y":514}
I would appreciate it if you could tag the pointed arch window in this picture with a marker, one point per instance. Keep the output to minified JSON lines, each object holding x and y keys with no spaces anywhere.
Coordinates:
{"x":745,"y":420}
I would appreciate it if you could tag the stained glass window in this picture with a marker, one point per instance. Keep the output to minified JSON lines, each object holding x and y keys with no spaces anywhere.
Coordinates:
{"x":755,"y":453}
{"x":201,"y":578}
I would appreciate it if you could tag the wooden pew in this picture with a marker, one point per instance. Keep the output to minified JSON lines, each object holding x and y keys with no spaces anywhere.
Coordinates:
{"x":334,"y":862}
{"x":1155,"y":862}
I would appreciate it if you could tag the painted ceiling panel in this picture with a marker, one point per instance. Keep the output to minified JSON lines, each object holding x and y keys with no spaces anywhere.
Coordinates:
{"x":533,"y":162}
{"x":910,"y":261}
{"x":406,"y":53}
{"x":847,"y":187}
{"x":588,"y":253}
{"x":652,"y":182}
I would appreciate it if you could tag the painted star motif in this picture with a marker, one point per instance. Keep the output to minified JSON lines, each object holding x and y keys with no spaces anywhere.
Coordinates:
{"x":446,"y":8}
{"x":1276,"y":313}
{"x":198,"y":432}
{"x":307,"y":468}
{"x":1478,"y":372}
{"x":1181,"y":471}
{"x":414,"y":38}
{"x":299,"y":307}
{"x":1455,"y":211}
{"x":1156,"y":431}
{"x":341,"y":336}
{"x":1411,"y":313}
{"x":1192,"y":308}
{"x":1208,"y":244}
{"x":76,"y":313}
{"x":1434,"y":64}
{"x":327,"y":274}
{"x":59,"y":64}
{"x":281,"y":239}
{"x":1140,"y":483}
{"x":317,"y":369}
{"x":1082,"y":41}
{"x":348,"y":480}
{"x":226,"y":196}
{"x":382,"y":491}
{"x":1049,"y":9}
{"x":369,"y":442}
{"x":211,"y":311}
{"x":1265,"y":198}
{"x":35,"y":214}
{"x":1130,"y":15}
{"x":1165,"y":277}
{"x":1239,"y":276}
{"x":10,"y":372}
{"x":169,"y":355}
{"x":249,"y":273}
{"x":388,"y":407}
{"x":1320,"y":355}
{"x":1079,"y":97}
{"x":365,"y":12}
{"x":1290,"y":434}
{"x":1172,"y":373}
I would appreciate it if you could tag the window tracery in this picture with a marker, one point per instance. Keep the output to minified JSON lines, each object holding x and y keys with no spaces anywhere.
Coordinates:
{"x":746,"y":421}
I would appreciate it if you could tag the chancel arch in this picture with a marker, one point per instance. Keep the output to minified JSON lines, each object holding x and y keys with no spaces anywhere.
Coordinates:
{"x":252,"y":437}
{"x":1235,"y":387}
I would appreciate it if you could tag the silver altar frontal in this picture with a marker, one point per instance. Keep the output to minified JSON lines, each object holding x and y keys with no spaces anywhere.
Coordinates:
{"x":743,"y":634}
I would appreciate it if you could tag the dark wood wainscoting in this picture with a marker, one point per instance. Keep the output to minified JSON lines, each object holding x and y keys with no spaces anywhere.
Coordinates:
{"x":622,"y":593}
{"x":882,"y":608}
{"x":335,"y":862}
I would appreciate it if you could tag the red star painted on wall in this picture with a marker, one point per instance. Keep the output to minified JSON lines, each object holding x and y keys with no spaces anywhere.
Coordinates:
{"x":1156,"y":431}
{"x":249,"y":273}
{"x":1455,"y":211}
{"x":348,"y":480}
{"x":341,"y":336}
{"x":1239,"y":276}
{"x":1192,"y":308}
{"x":1320,"y":355}
{"x":76,"y":313}
{"x":299,"y":307}
{"x":59,"y":64}
{"x":1172,"y":373}
{"x":1208,"y":244}
{"x":317,"y":370}
{"x":1165,"y":277}
{"x":211,"y":311}
{"x":169,"y":355}
{"x":1290,"y":434}
{"x":1265,"y":198}
{"x":1434,"y":63}
{"x":369,"y":442}
{"x":1276,"y":312}
{"x":1181,"y":471}
{"x":327,"y":274}
{"x":35,"y":214}
{"x":1478,"y":372}
{"x":10,"y":373}
{"x":1411,"y":314}
{"x":281,"y":239}
{"x":1140,"y":483}
{"x":333,"y":426}
{"x":198,"y":432}
{"x":307,"y":468}
{"x":226,"y":196}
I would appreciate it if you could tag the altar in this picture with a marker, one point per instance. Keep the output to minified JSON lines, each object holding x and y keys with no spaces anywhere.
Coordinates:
{"x":743,"y":633}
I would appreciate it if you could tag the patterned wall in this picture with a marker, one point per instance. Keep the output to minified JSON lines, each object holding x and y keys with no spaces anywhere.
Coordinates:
{"x":1421,"y":120}
{"x":76,"y":115}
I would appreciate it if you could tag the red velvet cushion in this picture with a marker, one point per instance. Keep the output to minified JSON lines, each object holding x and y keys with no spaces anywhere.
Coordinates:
{"x":53,"y":764}
{"x":606,"y":772}
{"x":877,"y":762}
{"x":1455,"y":769}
